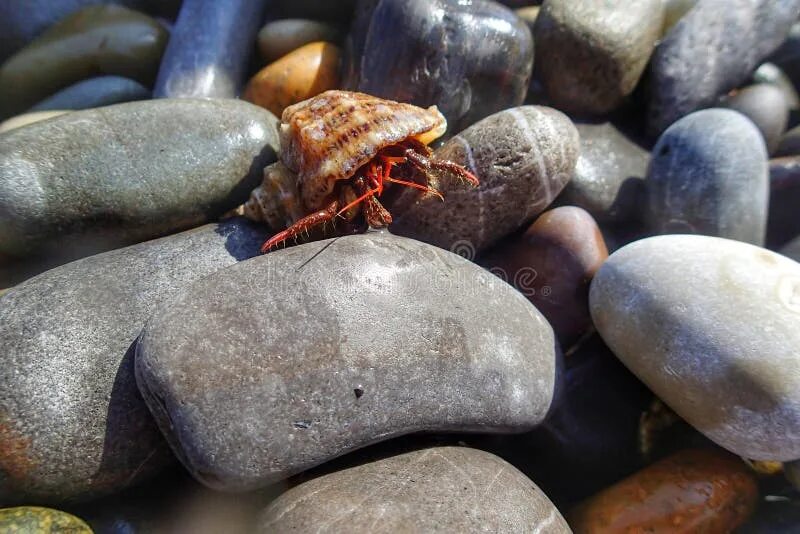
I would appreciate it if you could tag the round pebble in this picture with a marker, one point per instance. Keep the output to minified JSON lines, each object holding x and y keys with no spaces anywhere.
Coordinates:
{"x":38,"y":520}
{"x":333,"y":345}
{"x":523,"y":157}
{"x":608,"y":181}
{"x":552,"y":264}
{"x":773,"y":75}
{"x":67,"y":335}
{"x":95,"y":40}
{"x":711,"y":51}
{"x":94,"y":93}
{"x":708,"y":175}
{"x":690,"y":491}
{"x":306,"y":72}
{"x":439,"y":489}
{"x":117,"y":175}
{"x":279,"y":37}
{"x":591,"y":54}
{"x":766,"y":106}
{"x":710,"y":325}
{"x":471,"y":59}
{"x":783,"y":224}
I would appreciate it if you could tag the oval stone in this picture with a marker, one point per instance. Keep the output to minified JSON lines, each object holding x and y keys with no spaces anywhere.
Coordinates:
{"x":121,"y":174}
{"x":38,"y":520}
{"x":18,"y":121}
{"x":710,"y":51}
{"x":590,"y":55}
{"x":272,"y":367}
{"x":299,"y":75}
{"x":696,"y":490}
{"x":209,"y":49}
{"x":279,"y":37}
{"x":708,"y":175}
{"x":439,"y":489}
{"x":471,"y":59}
{"x":609,"y":177}
{"x":552,"y":264}
{"x":72,"y":421}
{"x":765,"y":105}
{"x":783,"y":224}
{"x":710,"y":325}
{"x":96,"y":40}
{"x":771,"y":74}
{"x":94,"y":93}
{"x":523,"y":157}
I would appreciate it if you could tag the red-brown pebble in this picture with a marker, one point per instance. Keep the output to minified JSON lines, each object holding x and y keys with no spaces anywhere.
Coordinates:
{"x":695,"y":490}
{"x":552,"y":264}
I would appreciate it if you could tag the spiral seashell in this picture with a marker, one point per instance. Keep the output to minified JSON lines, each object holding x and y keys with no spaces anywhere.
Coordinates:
{"x":276,"y":201}
{"x":329,"y":137}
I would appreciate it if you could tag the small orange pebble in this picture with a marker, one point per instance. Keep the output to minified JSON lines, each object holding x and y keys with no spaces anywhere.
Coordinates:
{"x":306,"y":72}
{"x":694,"y":490}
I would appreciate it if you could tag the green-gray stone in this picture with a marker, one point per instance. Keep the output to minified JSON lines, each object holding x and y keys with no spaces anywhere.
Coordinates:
{"x":99,"y":179}
{"x":36,"y":520}
{"x":95,"y":40}
{"x":94,"y":93}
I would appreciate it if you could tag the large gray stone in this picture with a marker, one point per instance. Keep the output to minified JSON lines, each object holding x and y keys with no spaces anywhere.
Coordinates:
{"x":98,"y":179}
{"x":712,"y":49}
{"x":439,"y":489}
{"x":590,"y":54}
{"x":709,"y":175}
{"x":609,"y":177}
{"x":523,"y":157}
{"x":710,"y":325}
{"x":72,"y":422}
{"x":276,"y":365}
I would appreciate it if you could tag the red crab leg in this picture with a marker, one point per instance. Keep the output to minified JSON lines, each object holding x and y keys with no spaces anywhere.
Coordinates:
{"x":423,"y":162}
{"x":307,"y":222}
{"x":389,"y":162}
{"x":427,"y":189}
{"x":360,"y":199}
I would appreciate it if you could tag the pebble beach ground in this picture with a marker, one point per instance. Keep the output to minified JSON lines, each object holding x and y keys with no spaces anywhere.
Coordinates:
{"x":587,"y":320}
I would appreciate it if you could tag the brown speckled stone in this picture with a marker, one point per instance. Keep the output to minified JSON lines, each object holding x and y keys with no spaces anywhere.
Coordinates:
{"x":695,"y":490}
{"x":523,"y":157}
{"x":291,"y":359}
{"x":552,"y":264}
{"x":439,"y":489}
{"x":591,"y":54}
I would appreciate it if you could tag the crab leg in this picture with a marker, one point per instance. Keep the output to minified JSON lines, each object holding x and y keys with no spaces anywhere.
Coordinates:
{"x":441,"y":165}
{"x":304,"y":224}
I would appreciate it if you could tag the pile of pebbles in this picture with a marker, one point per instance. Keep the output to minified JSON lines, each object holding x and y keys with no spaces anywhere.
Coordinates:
{"x":601,"y":337}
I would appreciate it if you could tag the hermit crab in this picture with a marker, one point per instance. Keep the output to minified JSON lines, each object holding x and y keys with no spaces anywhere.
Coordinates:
{"x":343,"y":157}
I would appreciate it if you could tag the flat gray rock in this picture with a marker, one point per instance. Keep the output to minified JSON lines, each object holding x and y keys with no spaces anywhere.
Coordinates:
{"x":710,"y":325}
{"x":590,"y":55}
{"x":708,"y":175}
{"x":94,"y":180}
{"x":73,"y":423}
{"x":609,"y":177}
{"x":439,"y":489}
{"x":523,"y":157}
{"x":286,"y":361}
{"x":95,"y":92}
{"x":712,"y":49}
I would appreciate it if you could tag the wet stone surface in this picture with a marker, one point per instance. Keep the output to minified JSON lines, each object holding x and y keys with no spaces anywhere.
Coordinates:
{"x":90,"y":188}
{"x":708,"y":175}
{"x":330,"y":346}
{"x":74,"y":425}
{"x":439,"y":489}
{"x":693,"y":315}
{"x":470,"y":59}
{"x":523,"y":157}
